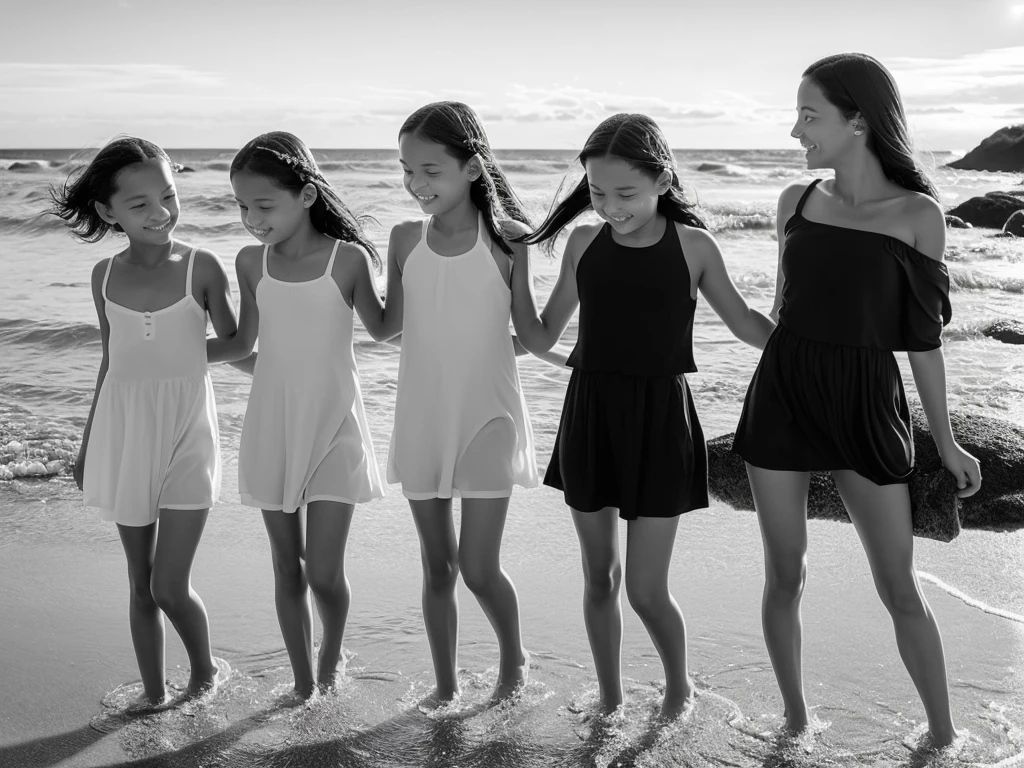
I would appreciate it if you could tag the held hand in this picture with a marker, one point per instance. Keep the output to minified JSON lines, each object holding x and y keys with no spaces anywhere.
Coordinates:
{"x":79,"y":471}
{"x":965,"y":469}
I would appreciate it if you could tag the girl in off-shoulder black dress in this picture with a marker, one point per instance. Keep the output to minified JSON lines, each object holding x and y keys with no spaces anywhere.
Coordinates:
{"x":860,"y":277}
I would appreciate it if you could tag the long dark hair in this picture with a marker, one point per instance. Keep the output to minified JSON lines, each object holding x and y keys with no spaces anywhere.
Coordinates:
{"x":456,"y":127}
{"x":856,"y":82}
{"x":75,"y":201}
{"x":638,"y":140}
{"x":283,"y":158}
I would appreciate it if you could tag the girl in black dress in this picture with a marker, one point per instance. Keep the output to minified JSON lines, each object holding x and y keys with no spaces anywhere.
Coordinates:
{"x":860,"y":276}
{"x":629,"y":442}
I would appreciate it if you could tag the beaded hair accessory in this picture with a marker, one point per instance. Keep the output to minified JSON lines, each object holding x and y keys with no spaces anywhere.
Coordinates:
{"x":297,"y":164}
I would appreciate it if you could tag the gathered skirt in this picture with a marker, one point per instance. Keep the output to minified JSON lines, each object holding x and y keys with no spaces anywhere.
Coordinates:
{"x":818,"y":406}
{"x":630,"y":442}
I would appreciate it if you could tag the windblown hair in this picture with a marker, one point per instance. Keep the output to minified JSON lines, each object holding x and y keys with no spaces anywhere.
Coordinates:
{"x":75,"y":202}
{"x":637,"y":140}
{"x":283,"y":158}
{"x":856,"y":82}
{"x":457,"y":128}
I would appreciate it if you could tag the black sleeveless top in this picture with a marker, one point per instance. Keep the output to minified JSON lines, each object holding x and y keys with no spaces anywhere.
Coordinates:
{"x":636,"y":314}
{"x":859,"y":288}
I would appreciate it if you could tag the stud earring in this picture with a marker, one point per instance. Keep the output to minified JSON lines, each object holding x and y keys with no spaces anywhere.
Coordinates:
{"x":857,"y":129}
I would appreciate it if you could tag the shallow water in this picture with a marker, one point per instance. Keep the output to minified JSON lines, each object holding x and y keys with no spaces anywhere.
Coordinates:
{"x":63,"y":588}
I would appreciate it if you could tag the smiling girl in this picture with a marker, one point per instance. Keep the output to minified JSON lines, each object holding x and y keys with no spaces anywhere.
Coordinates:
{"x":305,"y":440}
{"x":150,"y":458}
{"x":461,"y":426}
{"x":629,"y":443}
{"x":860,"y":276}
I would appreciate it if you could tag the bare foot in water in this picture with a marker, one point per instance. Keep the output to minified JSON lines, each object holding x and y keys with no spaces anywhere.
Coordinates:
{"x":437,"y":699}
{"x":206,"y":685}
{"x":678,"y":705}
{"x":511,"y":684}
{"x":795,"y":725}
{"x":144,"y":705}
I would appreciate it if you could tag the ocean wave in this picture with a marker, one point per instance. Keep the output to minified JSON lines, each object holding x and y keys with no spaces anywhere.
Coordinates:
{"x":50,"y":335}
{"x":36,"y":224}
{"x":969,"y":280}
{"x":723,"y":169}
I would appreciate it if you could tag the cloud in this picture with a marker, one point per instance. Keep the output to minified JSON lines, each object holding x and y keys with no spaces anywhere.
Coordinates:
{"x":99,"y":78}
{"x":993,"y":76}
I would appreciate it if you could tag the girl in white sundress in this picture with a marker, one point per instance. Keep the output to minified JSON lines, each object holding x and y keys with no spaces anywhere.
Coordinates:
{"x":150,"y":459}
{"x":461,"y":426}
{"x":305,"y":441}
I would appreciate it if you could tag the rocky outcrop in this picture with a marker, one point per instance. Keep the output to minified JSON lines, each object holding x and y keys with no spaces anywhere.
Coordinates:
{"x":990,"y":210}
{"x":1006,"y":331}
{"x":955,"y":222}
{"x":937,"y":511}
{"x":1015,"y":224}
{"x":1002,"y":151}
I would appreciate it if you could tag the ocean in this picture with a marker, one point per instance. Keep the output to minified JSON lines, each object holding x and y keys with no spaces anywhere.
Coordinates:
{"x":67,"y":658}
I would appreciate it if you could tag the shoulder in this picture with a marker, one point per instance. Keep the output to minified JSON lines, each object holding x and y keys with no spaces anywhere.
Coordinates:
{"x":698,"y":245}
{"x":404,"y":237}
{"x":790,"y":196}
{"x":249,"y":255}
{"x":928,"y":221}
{"x":583,"y":235}
{"x":510,"y":228}
{"x":99,"y":271}
{"x":580,"y":239}
{"x":405,"y":230}
{"x":352,"y":254}
{"x":695,"y":238}
{"x":208,"y":263}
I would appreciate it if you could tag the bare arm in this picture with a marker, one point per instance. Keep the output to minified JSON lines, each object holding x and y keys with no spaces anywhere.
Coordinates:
{"x":538,"y":332}
{"x":557,"y":355}
{"x":239,"y":345}
{"x":366,"y":301}
{"x":930,"y":367}
{"x":746,"y":324}
{"x":787,"y":207}
{"x":97,"y":296}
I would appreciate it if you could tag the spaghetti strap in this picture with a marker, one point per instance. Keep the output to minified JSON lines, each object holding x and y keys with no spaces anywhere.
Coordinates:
{"x":803,"y":197}
{"x":188,"y":273}
{"x":266,"y":250}
{"x":330,"y":261}
{"x":106,"y":277}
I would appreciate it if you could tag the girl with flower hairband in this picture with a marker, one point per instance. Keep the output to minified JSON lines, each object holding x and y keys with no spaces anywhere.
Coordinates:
{"x":306,"y":457}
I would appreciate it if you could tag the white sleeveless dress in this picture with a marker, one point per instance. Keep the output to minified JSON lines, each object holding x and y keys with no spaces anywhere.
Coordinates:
{"x":461,"y":425}
{"x":154,"y":442}
{"x":305,"y":436}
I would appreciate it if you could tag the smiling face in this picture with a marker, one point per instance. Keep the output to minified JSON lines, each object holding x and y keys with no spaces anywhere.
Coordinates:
{"x":435,"y":179}
{"x":621,"y":195}
{"x":269,"y":212}
{"x":821,"y":128}
{"x":145,"y":203}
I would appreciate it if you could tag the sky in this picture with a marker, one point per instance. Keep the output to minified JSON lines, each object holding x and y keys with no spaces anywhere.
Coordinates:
{"x":540,"y":73}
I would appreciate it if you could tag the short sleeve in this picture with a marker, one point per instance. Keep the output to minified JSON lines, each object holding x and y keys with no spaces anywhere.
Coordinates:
{"x":927,"y":308}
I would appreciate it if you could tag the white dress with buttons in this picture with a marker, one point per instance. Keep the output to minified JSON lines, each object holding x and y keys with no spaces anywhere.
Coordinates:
{"x":154,"y":442}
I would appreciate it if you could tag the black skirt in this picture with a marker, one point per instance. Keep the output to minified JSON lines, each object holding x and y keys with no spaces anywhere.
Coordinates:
{"x":818,"y":406}
{"x":630,"y":442}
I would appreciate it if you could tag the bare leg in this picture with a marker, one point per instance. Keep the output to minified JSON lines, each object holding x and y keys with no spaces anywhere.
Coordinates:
{"x":327,"y":526}
{"x":439,"y":554}
{"x":649,"y":545}
{"x":176,"y":544}
{"x":781,"y":502}
{"x":294,"y":614}
{"x":598,"y":533}
{"x":144,"y":616}
{"x":483,"y":521}
{"x":881,"y":514}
